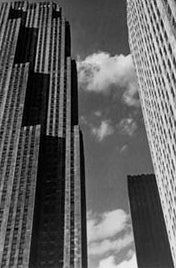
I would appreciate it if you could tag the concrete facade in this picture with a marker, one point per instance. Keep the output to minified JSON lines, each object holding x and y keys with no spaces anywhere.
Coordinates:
{"x":42,"y":183}
{"x":152,"y":40}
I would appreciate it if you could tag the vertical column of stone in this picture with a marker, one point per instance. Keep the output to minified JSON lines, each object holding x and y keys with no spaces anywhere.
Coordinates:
{"x":9,"y":44}
{"x":43,"y":48}
{"x":12,"y":257}
{"x":6,"y":61}
{"x":4,"y":22}
{"x":54,"y":91}
{"x":7,"y":125}
{"x":13,"y":40}
{"x":53,"y":82}
{"x":36,"y":17}
{"x":57,"y":74}
{"x":50,"y":127}
{"x":13,"y":225}
{"x":32,"y":17}
{"x":23,"y":197}
{"x":4,"y":158}
{"x":3,"y":62}
{"x":43,"y":33}
{"x":5,"y":113}
{"x":62,"y":81}
{"x":67,"y":171}
{"x":19,"y":223}
{"x":40,"y":39}
{"x":77,"y":201}
{"x":15,"y":78}
{"x":28,"y":17}
{"x":5,"y":43}
{"x":47,"y":39}
{"x":24,"y":6}
{"x":11,"y":138}
{"x":44,"y":23}
{"x":2,"y":13}
{"x":30,"y":194}
{"x":21,"y":210}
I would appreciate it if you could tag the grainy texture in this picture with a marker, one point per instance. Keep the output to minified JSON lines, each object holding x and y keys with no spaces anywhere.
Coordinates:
{"x":42,"y":212}
{"x":152,"y":39}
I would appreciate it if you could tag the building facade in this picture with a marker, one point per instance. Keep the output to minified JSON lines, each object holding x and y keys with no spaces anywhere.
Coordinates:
{"x":152,"y":40}
{"x":42,"y":184}
{"x":150,"y":235}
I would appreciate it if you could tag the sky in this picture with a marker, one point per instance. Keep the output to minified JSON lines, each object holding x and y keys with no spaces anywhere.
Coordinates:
{"x":115,"y":142}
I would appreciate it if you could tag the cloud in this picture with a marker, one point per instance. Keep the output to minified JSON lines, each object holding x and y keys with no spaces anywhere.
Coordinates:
{"x":127,"y":126}
{"x":99,"y":72}
{"x":102,"y":247}
{"x":123,"y":148}
{"x":106,"y":225}
{"x":109,"y":233}
{"x":130,"y":96}
{"x":98,"y":113}
{"x":110,"y":263}
{"x":83,"y":120}
{"x":105,"y":129}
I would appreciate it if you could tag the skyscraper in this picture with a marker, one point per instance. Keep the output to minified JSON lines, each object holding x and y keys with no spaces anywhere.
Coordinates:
{"x":152,"y":39}
{"x":150,"y":235}
{"x":42,"y":184}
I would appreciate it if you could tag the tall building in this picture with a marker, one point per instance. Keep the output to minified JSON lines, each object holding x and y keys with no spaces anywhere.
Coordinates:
{"x":150,"y":235}
{"x":152,"y":40}
{"x":42,"y":184}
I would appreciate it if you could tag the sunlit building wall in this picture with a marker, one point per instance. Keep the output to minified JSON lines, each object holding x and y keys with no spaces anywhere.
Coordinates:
{"x":152,"y":40}
{"x":42,"y":187}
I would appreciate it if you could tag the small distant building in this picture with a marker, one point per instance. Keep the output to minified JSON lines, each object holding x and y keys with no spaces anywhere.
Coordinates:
{"x":150,"y":235}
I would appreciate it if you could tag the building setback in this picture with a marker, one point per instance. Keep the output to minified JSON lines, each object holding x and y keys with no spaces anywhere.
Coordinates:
{"x":150,"y":235}
{"x":152,"y":39}
{"x":42,"y":184}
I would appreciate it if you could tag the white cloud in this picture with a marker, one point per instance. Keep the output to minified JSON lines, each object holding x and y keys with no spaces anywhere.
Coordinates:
{"x":127,"y":126}
{"x":109,"y":233}
{"x":110,"y":263}
{"x":106,"y":225}
{"x":123,"y":148}
{"x":98,"y":113}
{"x":105,"y":129}
{"x":130,"y":96}
{"x":130,"y":254}
{"x":100,"y":71}
{"x":107,"y":245}
{"x":83,"y":120}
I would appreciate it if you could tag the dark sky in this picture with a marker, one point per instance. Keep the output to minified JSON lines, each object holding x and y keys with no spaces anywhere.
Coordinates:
{"x":97,"y":25}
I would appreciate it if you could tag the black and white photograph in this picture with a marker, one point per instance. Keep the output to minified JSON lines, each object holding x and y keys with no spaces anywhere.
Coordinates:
{"x":87,"y":134}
